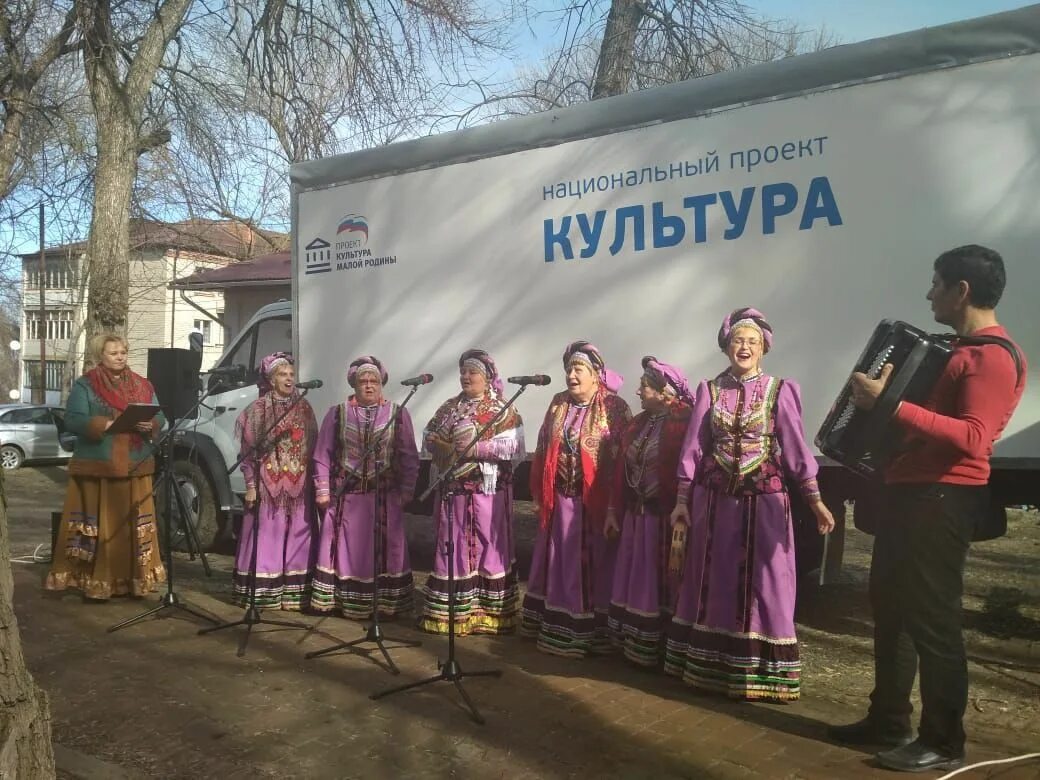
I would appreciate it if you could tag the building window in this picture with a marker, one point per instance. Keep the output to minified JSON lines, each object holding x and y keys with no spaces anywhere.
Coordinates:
{"x":55,"y":374}
{"x":205,"y":328}
{"x":59,"y":324}
{"x":60,"y":275}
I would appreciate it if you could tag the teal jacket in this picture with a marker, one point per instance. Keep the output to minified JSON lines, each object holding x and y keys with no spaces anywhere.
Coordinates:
{"x":100,"y":454}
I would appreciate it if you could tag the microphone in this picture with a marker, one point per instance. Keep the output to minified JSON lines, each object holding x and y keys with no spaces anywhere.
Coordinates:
{"x":415,"y":381}
{"x":235,"y":369}
{"x":534,"y":379}
{"x":312,"y":384}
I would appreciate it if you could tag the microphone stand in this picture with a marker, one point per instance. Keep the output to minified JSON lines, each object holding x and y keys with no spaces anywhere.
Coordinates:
{"x":252,"y":616}
{"x":450,"y":670}
{"x":164,"y":467}
{"x":172,"y":490}
{"x":374,"y":633}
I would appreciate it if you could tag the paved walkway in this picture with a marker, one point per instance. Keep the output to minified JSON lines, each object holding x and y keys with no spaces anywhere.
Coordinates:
{"x":156,"y":700}
{"x":164,"y":702}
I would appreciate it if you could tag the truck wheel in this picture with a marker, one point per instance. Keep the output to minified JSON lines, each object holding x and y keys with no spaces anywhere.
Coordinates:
{"x":201,"y":502}
{"x":11,"y":457}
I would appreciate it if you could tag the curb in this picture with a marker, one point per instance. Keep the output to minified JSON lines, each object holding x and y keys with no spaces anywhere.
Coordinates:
{"x":84,"y":767}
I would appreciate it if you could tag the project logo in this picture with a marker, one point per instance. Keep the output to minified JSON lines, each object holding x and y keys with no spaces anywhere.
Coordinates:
{"x":353,"y":225}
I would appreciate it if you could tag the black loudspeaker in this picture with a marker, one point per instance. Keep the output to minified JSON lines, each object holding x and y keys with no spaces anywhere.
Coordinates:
{"x":174,"y":373}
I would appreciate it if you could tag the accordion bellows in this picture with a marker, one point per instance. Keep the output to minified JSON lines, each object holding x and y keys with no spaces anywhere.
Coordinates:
{"x":864,"y":440}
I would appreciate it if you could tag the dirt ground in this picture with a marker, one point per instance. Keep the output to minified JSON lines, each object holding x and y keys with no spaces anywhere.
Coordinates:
{"x":204,"y":713}
{"x":1002,"y":620}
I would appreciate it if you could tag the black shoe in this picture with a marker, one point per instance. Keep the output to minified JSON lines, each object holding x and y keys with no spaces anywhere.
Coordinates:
{"x":867,"y":732}
{"x":916,"y":757}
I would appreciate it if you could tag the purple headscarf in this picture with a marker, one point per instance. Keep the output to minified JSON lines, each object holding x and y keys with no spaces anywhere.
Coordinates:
{"x":660,"y":374}
{"x":267,"y":367}
{"x":586,"y":352}
{"x":360,"y":365}
{"x":489,"y":368}
{"x":746,"y":318}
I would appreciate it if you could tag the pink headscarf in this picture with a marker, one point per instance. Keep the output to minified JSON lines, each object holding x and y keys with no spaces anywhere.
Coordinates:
{"x":583,"y":350}
{"x":490,"y":370}
{"x":361,"y":362}
{"x":660,"y":373}
{"x":267,"y":367}
{"x":747,"y":317}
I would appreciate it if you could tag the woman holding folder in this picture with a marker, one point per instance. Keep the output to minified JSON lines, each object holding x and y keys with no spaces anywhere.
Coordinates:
{"x":107,"y":543}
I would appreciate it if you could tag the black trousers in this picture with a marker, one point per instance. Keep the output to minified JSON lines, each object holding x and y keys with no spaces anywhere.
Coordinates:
{"x":916,"y":584}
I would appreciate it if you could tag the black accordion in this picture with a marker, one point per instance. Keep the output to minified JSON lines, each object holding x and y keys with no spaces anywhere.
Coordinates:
{"x":865,"y":440}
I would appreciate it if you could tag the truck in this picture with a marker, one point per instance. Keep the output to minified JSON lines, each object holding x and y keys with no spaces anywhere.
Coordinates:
{"x":818,"y":189}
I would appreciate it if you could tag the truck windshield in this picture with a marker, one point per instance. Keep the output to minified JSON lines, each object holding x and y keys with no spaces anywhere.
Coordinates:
{"x":265,"y":337}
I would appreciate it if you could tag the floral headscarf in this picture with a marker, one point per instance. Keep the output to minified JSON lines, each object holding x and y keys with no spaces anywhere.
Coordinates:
{"x":584,"y":352}
{"x":268,"y":366}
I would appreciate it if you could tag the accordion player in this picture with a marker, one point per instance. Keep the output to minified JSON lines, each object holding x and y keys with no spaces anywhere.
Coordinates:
{"x":863,"y":440}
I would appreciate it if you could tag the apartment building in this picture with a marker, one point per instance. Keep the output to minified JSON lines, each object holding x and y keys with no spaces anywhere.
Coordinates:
{"x":158,"y":316}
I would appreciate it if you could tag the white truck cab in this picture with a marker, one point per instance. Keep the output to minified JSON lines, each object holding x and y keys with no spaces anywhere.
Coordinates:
{"x":205,"y":449}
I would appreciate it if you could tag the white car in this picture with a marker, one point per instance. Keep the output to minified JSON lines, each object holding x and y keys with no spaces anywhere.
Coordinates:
{"x":33,"y":432}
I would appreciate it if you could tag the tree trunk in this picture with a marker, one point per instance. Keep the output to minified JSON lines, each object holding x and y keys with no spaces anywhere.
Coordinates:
{"x":108,"y":247}
{"x":118,"y":99}
{"x":617,"y":52}
{"x":10,"y":138}
{"x":25,"y":715}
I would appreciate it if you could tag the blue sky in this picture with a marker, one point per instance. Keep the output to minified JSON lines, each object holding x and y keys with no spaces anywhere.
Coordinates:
{"x":850,"y":20}
{"x":857,"y":21}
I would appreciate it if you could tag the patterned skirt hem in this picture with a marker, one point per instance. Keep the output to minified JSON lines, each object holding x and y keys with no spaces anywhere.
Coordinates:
{"x":287,"y":598}
{"x":98,"y":589}
{"x":640,"y":645}
{"x":470,"y":624}
{"x":482,"y":605}
{"x":353,"y":598}
{"x":351,"y":611}
{"x":561,"y":633}
{"x":741,"y":668}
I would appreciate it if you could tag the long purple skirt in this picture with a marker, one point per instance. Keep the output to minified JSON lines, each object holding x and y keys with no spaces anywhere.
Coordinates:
{"x":642,"y":600}
{"x":568,"y":590}
{"x":733,"y":630}
{"x":343,"y":577}
{"x":484,"y":566}
{"x":283,"y":554}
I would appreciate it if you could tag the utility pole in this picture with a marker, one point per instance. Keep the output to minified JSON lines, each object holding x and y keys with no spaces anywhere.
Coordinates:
{"x":41,"y":397}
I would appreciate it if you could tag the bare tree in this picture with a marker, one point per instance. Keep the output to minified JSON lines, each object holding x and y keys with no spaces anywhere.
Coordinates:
{"x":121,"y":56}
{"x":674,"y":31}
{"x":579,"y":71}
{"x":245,"y":89}
{"x":33,"y":35}
{"x":617,"y":51}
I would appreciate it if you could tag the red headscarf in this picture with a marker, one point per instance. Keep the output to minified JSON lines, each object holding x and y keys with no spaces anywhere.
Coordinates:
{"x":119,"y":390}
{"x":601,"y":431}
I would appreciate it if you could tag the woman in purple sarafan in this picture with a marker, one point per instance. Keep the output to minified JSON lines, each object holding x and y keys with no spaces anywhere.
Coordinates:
{"x":572,"y":565}
{"x":478,"y":491}
{"x":365,"y":444}
{"x":643,"y":495}
{"x":733,"y":629}
{"x":276,"y":433}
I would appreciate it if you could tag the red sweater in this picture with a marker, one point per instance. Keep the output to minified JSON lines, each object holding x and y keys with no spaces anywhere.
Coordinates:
{"x":950,"y":438}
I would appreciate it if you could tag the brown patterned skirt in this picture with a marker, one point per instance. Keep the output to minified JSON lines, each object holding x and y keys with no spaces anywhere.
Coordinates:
{"x":107,"y":543}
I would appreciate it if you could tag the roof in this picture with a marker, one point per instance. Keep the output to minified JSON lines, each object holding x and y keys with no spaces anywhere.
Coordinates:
{"x":230,"y":238}
{"x":274,"y":269}
{"x":986,"y":38}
